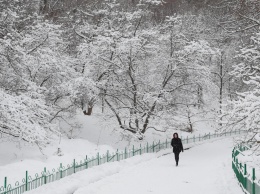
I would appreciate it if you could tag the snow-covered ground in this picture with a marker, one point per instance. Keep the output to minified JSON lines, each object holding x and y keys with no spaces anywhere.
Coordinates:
{"x":203,"y":169}
{"x":93,"y":136}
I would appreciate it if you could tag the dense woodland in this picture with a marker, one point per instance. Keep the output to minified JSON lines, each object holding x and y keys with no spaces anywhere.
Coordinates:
{"x":132,"y":61}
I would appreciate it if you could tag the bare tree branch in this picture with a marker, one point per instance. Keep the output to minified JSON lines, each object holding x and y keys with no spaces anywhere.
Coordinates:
{"x":39,"y":45}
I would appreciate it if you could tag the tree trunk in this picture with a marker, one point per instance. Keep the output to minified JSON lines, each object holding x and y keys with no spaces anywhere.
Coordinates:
{"x":89,"y":111}
{"x":189,"y":119}
{"x":221,"y":87}
{"x":44,"y":8}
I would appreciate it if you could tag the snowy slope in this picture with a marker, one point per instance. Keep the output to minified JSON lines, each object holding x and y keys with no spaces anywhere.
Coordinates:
{"x":203,"y":169}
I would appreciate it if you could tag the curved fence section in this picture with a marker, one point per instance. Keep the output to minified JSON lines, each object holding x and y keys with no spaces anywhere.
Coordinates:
{"x":47,"y":176}
{"x":246,"y":177}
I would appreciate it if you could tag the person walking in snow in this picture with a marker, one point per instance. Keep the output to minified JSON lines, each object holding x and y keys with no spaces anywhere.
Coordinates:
{"x":177,"y":147}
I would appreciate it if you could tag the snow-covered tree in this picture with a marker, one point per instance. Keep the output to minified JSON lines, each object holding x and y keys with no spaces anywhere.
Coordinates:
{"x":123,"y":56}
{"x":246,"y":108}
{"x":26,"y":117}
{"x":142,"y":71}
{"x":32,"y":65}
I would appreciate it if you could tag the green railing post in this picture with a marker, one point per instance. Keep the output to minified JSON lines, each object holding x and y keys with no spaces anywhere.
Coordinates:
{"x":187,"y":139}
{"x":60,"y":170}
{"x":245,"y":179}
{"x":140,"y":149}
{"x":117,"y":158}
{"x":153,"y":146}
{"x":45,"y":177}
{"x":209,"y":135}
{"x":86,"y":161}
{"x":159,"y":145}
{"x":199,"y":137}
{"x":133,"y":150}
{"x":166,"y":143}
{"x":125,"y":153}
{"x":5,"y":184}
{"x":98,"y":158}
{"x":26,"y":181}
{"x":107,"y":155}
{"x":74,"y":166}
{"x":253,"y":181}
{"x":147,"y":147}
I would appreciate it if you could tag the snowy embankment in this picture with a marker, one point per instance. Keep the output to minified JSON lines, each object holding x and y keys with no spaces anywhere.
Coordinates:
{"x":203,"y":169}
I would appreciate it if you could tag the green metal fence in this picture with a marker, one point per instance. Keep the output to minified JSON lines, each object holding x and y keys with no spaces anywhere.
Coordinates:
{"x":47,"y":176}
{"x":247,"y":180}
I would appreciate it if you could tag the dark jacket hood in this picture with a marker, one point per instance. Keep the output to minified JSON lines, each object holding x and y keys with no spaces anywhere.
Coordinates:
{"x":176,"y":134}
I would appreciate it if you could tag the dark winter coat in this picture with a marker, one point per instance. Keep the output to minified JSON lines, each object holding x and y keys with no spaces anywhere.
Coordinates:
{"x":177,"y":145}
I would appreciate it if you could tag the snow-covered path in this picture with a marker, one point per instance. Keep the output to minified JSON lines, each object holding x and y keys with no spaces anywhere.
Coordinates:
{"x":203,"y":169}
